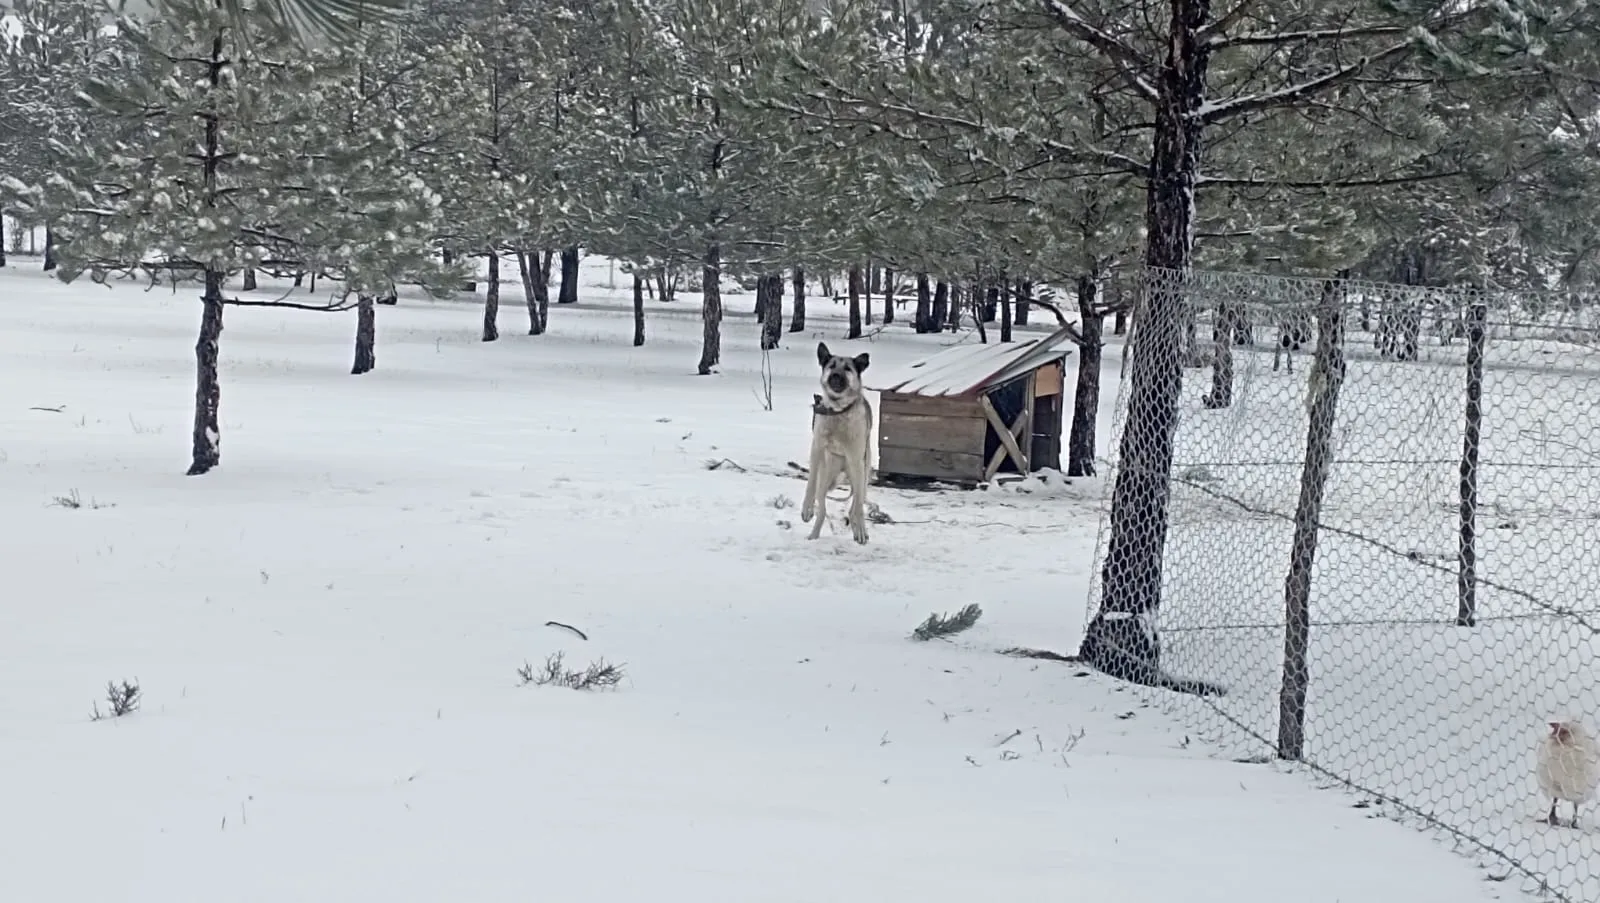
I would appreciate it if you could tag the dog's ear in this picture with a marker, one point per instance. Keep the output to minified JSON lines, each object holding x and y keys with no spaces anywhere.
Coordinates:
{"x":861,"y":362}
{"x":823,"y":354}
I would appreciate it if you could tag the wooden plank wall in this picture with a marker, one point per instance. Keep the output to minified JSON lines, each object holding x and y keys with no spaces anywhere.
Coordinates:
{"x":941,"y":438}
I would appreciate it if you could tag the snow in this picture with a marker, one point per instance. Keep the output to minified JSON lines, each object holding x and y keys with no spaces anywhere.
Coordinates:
{"x":327,"y":628}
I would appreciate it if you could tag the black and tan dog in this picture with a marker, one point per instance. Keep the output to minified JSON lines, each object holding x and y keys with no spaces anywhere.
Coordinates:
{"x":841,"y":441}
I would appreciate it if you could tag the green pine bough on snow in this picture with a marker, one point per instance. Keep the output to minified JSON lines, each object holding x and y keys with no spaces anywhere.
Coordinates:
{"x":938,"y":625}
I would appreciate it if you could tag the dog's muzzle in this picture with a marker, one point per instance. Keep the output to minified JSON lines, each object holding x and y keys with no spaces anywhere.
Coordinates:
{"x":837,"y":384}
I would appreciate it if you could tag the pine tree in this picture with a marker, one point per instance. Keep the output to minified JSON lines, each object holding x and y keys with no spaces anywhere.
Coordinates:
{"x":222,"y":158}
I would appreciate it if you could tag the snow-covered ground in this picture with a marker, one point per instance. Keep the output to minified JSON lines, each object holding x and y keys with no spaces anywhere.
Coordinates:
{"x":327,"y":632}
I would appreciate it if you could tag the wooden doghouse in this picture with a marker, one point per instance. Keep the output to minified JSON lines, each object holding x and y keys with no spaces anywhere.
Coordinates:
{"x":972,"y":411}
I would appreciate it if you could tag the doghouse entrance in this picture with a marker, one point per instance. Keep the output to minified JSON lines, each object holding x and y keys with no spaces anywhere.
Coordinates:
{"x":1010,"y":401}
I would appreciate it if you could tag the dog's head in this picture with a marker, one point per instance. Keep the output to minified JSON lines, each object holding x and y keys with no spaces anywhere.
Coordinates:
{"x":841,"y":376}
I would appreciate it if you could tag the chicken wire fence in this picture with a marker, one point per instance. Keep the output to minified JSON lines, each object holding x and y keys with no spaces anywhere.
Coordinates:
{"x":1380,"y":539}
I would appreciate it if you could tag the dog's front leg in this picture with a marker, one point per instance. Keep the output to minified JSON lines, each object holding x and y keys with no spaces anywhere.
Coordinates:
{"x":808,"y":507}
{"x":825,"y":474}
{"x":855,"y":469}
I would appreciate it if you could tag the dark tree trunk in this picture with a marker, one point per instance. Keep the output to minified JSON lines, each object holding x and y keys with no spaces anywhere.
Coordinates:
{"x":207,"y":435}
{"x":1024,"y":301}
{"x":1224,"y":327}
{"x":49,"y":248}
{"x":772,"y":316}
{"x":491,"y":300}
{"x":874,"y":278}
{"x":711,"y":309}
{"x":638,"y":308}
{"x":366,"y":334}
{"x":535,"y":291}
{"x":855,"y":303}
{"x":922,"y":320}
{"x":941,"y":307}
{"x":250,"y":280}
{"x":827,"y":285}
{"x":1005,"y":311}
{"x":668,"y":281}
{"x":953,"y":320}
{"x":1122,"y":638}
{"x":569,"y":276}
{"x":2,"y":238}
{"x":797,"y":322}
{"x":1327,"y":376}
{"x":1086,"y":396}
{"x":863,"y":287}
{"x":299,"y":278}
{"x":888,"y":297}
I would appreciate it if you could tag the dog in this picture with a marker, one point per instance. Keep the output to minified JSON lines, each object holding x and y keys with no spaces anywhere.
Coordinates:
{"x":841,"y":441}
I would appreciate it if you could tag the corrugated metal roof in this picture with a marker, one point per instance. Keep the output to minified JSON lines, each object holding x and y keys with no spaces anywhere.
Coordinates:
{"x":963,"y":369}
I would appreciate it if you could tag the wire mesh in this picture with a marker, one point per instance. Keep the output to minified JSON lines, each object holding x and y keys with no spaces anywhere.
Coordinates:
{"x":1435,"y":657}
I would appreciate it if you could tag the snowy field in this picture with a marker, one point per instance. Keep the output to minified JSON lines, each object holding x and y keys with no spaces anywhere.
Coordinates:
{"x":1438,"y":720}
{"x":327,"y":632}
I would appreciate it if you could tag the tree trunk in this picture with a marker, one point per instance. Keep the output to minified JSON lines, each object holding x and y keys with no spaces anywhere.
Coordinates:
{"x":888,"y":297}
{"x":49,"y":249}
{"x":1024,"y":301}
{"x":874,"y":279}
{"x":1005,"y":310}
{"x":772,"y":315}
{"x":1122,"y":640}
{"x":535,"y":291}
{"x":855,"y":303}
{"x":711,"y":309}
{"x":922,"y":320}
{"x":1322,"y":404}
{"x":491,"y":300}
{"x":1086,"y":396}
{"x":250,"y":280}
{"x":366,"y":334}
{"x":953,"y":320}
{"x":569,"y":276}
{"x":207,"y":435}
{"x":797,"y":322}
{"x":864,"y":287}
{"x":1225,"y":325}
{"x":941,"y":307}
{"x":667,"y":280}
{"x":638,"y":308}
{"x":2,"y":238}
{"x":827,"y":285}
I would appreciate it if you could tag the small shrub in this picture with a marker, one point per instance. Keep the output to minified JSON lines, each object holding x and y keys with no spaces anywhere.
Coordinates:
{"x":598,"y":675}
{"x":122,"y":699}
{"x":72,"y":501}
{"x":938,"y":625}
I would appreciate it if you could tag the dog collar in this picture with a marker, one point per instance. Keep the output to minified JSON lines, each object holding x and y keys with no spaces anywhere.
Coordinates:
{"x":818,"y":408}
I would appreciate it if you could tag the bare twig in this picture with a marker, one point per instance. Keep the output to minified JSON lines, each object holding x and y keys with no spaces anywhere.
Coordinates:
{"x":581,"y":634}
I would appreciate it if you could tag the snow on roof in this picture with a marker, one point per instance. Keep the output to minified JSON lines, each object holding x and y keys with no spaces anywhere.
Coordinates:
{"x":964,"y":369}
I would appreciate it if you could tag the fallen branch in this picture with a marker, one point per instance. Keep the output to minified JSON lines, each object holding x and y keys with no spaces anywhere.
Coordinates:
{"x":1047,"y":655}
{"x":581,"y":635}
{"x":942,"y":626}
